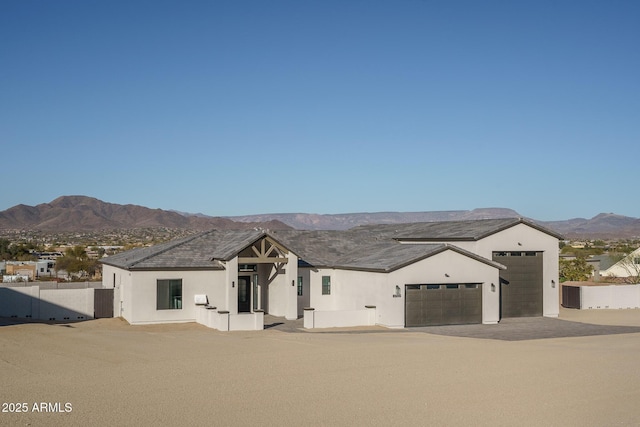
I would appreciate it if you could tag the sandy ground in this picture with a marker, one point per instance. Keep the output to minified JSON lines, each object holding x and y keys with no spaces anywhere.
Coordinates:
{"x":110,"y":373}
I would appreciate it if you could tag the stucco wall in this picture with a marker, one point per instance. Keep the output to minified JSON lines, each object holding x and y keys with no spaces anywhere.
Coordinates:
{"x":305,"y":299}
{"x":353,"y":290}
{"x":282,"y":297}
{"x":519,"y":238}
{"x":47,"y":304}
{"x":610,"y":297}
{"x":135,"y":293}
{"x":524,"y":238}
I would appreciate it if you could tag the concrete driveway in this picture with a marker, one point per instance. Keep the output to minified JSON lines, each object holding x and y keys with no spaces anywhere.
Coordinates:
{"x":509,"y":329}
{"x":528,"y":328}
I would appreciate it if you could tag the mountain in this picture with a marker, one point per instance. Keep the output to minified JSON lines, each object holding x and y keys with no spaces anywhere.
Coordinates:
{"x":601,"y":226}
{"x":81,"y":213}
{"x":304,"y":221}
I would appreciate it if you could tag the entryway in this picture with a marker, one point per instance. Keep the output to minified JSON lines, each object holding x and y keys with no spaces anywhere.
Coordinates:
{"x":244,"y":294}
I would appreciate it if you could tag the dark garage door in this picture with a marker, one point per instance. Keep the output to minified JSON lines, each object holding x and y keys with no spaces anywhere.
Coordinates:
{"x":520,"y":284}
{"x":437,"y":304}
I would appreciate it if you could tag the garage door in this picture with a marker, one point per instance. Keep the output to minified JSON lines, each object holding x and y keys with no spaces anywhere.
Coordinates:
{"x":439,"y":304}
{"x":520,"y":283}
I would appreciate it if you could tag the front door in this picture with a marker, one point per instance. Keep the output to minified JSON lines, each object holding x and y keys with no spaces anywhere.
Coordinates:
{"x":244,"y":294}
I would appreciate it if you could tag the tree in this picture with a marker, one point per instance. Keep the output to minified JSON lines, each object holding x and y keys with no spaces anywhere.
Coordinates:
{"x":5,"y":252}
{"x":631,"y":265}
{"x":575,"y":270}
{"x":74,"y":261}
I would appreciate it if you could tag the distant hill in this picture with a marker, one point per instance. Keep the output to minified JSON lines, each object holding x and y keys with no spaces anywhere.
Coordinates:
{"x":602,"y":226}
{"x":81,"y":213}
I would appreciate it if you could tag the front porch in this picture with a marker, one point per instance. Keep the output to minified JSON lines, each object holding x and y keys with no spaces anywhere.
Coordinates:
{"x":222,"y":320}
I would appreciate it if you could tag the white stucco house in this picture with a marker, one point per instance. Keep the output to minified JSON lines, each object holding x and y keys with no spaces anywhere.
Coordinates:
{"x":398,"y":275}
{"x":628,"y":267}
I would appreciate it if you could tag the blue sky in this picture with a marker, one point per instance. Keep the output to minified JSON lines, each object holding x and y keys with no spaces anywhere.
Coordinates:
{"x":245,"y":107}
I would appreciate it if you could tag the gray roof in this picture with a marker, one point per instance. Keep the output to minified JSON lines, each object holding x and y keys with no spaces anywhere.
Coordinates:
{"x":606,"y":261}
{"x":202,"y":251}
{"x":451,"y":231}
{"x":360,"y":249}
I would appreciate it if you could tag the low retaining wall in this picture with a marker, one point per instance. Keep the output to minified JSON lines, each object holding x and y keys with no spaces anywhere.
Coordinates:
{"x":611,"y":297}
{"x":339,"y":318}
{"x":222,"y":320}
{"x":31,"y":302}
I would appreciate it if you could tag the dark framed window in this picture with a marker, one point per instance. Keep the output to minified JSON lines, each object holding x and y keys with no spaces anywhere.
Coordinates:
{"x":169,"y":294}
{"x":326,"y":285}
{"x":299,"y":286}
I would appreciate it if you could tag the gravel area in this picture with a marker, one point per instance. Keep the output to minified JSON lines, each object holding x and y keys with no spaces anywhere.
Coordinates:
{"x":107,"y":372}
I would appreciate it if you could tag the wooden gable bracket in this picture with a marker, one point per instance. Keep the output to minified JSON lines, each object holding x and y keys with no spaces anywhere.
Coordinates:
{"x":275,"y":254}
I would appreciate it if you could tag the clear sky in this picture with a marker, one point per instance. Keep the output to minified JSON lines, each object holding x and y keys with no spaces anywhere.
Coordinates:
{"x":245,"y":107}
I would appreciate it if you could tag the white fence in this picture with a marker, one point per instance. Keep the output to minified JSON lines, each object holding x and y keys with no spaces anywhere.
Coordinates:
{"x":341,"y":318}
{"x":224,"y":321}
{"x":612,"y":296}
{"x":31,"y":302}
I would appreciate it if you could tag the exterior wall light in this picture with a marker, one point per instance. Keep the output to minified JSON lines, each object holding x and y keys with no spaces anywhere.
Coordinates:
{"x":553,"y":283}
{"x":493,"y":287}
{"x":293,"y":283}
{"x":233,"y":284}
{"x":397,"y":294}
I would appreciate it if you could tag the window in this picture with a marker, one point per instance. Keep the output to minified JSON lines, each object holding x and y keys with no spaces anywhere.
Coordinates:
{"x":299,"y":286}
{"x":433,"y":287}
{"x":169,"y":294}
{"x":451,"y":286}
{"x":326,"y":285}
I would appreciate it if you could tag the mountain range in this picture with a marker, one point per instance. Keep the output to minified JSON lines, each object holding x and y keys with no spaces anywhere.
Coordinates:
{"x":82,"y":213}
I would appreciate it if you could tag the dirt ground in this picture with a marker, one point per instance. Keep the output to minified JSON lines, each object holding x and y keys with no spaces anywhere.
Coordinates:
{"x":106,"y":372}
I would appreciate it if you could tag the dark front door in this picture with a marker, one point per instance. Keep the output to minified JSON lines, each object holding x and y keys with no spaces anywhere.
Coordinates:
{"x":244,"y":294}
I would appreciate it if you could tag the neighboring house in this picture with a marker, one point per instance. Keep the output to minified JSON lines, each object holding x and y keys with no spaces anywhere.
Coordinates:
{"x":402,"y":275}
{"x":627,"y":267}
{"x":31,"y":269}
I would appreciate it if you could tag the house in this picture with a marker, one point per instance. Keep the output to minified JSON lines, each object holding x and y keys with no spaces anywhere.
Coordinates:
{"x":395,"y":275}
{"x":624,"y":267}
{"x":30,"y":269}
